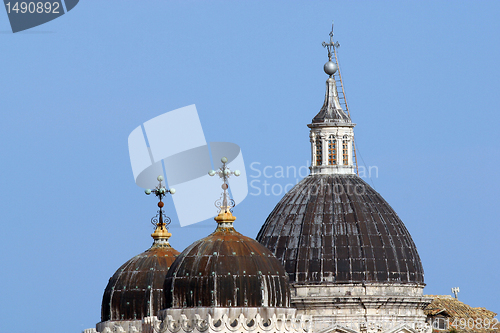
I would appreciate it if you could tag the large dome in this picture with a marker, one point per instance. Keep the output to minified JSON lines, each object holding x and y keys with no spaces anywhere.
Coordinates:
{"x":226,"y":269}
{"x":337,"y":229}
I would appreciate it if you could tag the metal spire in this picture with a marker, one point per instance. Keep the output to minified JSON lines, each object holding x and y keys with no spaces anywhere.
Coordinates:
{"x":160,"y":220}
{"x":225,"y":203}
{"x":329,"y":46}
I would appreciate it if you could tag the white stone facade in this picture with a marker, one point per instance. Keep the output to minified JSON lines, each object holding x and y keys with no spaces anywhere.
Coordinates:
{"x":117,"y":326}
{"x":363,"y":308}
{"x":332,"y":136}
{"x":232,"y":320}
{"x":321,"y":138}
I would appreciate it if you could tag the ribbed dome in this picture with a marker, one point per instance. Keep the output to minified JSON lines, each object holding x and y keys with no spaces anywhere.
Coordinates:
{"x":226,"y":269}
{"x":136,"y":289}
{"x":336,"y":228}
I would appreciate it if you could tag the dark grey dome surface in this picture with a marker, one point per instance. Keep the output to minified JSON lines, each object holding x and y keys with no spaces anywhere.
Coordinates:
{"x":338,"y":229}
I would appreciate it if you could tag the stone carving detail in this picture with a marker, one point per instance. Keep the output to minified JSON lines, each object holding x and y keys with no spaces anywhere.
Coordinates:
{"x":338,"y":329}
{"x":423,"y":328}
{"x":225,"y":324}
{"x":121,"y":326}
{"x":370,"y":327}
{"x":150,"y":324}
{"x":118,"y":329}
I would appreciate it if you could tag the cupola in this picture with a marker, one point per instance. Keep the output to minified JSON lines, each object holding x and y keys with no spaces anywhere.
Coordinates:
{"x":135,"y":290}
{"x":226,"y":269}
{"x":332,"y":135}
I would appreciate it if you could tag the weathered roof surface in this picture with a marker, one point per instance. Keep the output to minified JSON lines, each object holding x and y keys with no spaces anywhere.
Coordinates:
{"x":452,"y":308}
{"x":226,"y":269}
{"x":337,"y":229}
{"x":136,"y":289}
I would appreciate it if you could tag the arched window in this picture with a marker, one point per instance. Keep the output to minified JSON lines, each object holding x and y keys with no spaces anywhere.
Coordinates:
{"x":332,"y":150}
{"x":345,"y":151}
{"x":319,"y":151}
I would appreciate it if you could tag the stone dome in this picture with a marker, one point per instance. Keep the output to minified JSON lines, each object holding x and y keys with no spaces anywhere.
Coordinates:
{"x":135,"y":291}
{"x":226,"y":269}
{"x":337,"y":229}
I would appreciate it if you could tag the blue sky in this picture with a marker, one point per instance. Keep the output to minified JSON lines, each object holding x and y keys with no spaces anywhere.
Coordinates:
{"x":421,"y":79}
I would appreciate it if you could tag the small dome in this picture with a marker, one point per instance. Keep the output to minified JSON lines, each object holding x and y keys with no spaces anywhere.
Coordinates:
{"x":226,"y":269}
{"x":338,"y":229}
{"x":135,"y":291}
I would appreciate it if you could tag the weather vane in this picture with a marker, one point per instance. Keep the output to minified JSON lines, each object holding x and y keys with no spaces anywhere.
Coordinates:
{"x":224,"y":203}
{"x":160,"y":220}
{"x":329,"y":46}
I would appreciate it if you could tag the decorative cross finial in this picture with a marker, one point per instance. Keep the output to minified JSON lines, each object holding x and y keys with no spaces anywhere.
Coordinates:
{"x":329,"y":46}
{"x":160,"y":191}
{"x":225,"y":203}
{"x":455,"y":291}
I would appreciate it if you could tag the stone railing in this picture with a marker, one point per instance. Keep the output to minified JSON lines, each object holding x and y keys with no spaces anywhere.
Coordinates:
{"x":209,"y":320}
{"x":231,"y":321}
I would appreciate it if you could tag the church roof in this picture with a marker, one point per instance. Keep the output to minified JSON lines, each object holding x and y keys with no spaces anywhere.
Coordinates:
{"x":135,"y":291}
{"x":338,"y":229}
{"x":226,"y":269}
{"x":447,"y":306}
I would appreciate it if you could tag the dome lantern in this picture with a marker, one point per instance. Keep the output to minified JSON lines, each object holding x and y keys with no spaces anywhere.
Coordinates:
{"x":332,"y":131}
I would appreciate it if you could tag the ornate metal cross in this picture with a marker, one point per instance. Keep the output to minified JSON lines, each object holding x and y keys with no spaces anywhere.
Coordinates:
{"x":329,"y":46}
{"x":160,"y":191}
{"x":225,"y":203}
